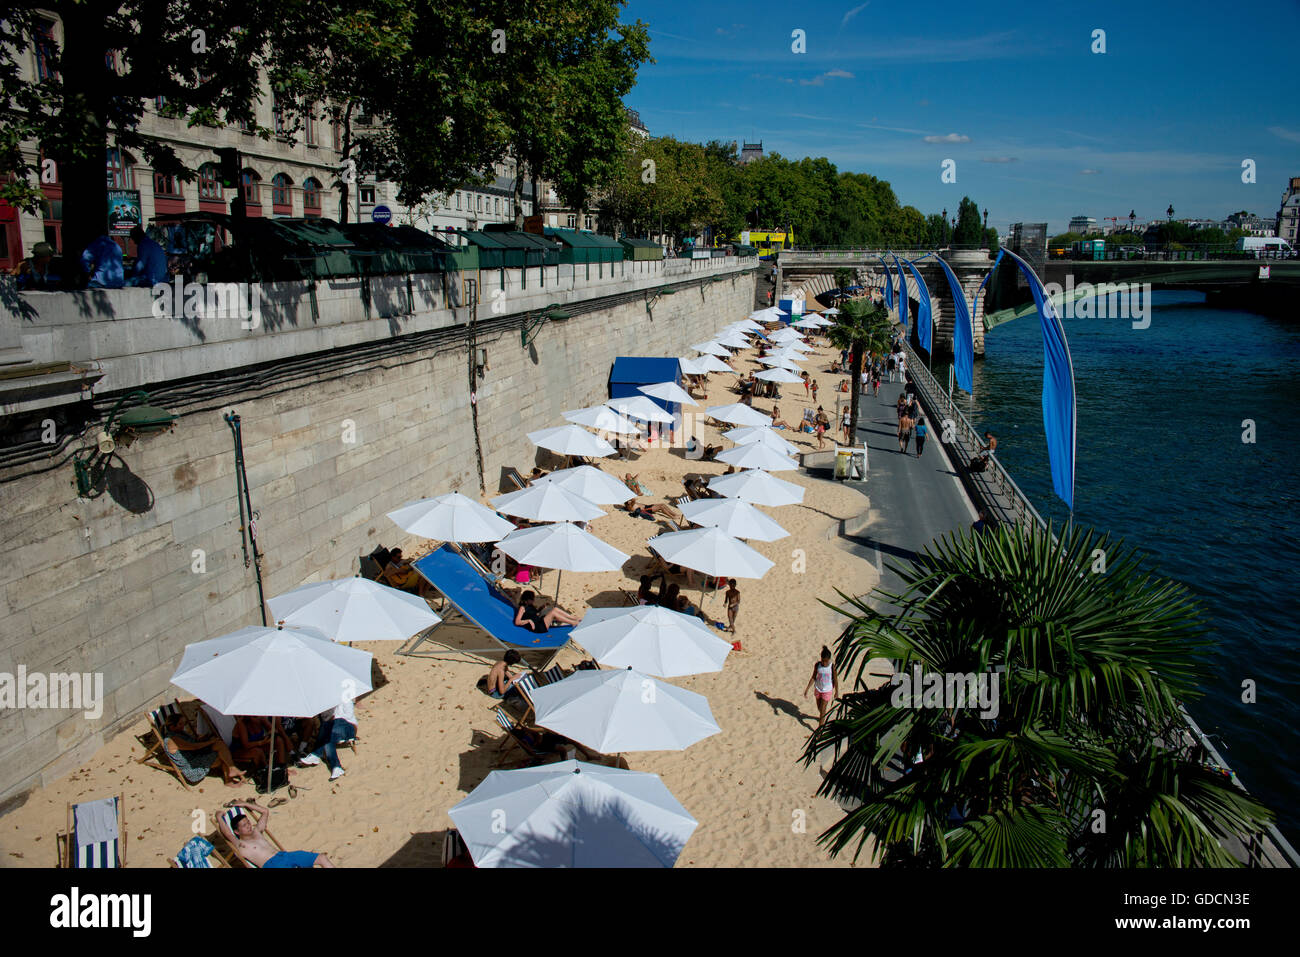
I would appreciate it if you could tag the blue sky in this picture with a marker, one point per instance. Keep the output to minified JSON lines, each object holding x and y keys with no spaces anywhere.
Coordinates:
{"x":1040,"y":127}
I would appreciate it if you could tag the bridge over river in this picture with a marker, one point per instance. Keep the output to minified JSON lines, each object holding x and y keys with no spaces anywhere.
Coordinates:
{"x":1233,"y":281}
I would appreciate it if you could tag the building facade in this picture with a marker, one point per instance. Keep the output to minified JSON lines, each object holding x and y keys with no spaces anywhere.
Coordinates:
{"x":279,"y":178}
{"x":1083,"y":225}
{"x":1288,"y":214}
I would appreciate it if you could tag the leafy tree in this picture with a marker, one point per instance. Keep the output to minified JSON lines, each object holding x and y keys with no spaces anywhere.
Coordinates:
{"x":970,"y":228}
{"x":115,"y":57}
{"x":1091,"y":664}
{"x":862,"y":327}
{"x":936,"y":230}
{"x":342,"y":61}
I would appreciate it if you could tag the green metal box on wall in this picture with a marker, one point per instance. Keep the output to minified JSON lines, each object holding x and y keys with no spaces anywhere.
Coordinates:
{"x":641,"y":250}
{"x":581,"y":246}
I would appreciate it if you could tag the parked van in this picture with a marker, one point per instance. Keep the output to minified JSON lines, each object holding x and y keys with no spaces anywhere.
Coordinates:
{"x":1271,"y":246}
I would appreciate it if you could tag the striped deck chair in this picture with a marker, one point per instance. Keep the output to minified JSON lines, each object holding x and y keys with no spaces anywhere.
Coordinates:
{"x":227,"y":818}
{"x":453,"y":848}
{"x":526,"y":685}
{"x":518,"y":736}
{"x":513,"y":478}
{"x":96,"y":835}
{"x":491,"y":577}
{"x":155,"y":755}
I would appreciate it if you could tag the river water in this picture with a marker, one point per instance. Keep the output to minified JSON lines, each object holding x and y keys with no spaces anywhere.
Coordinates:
{"x":1161,"y":463}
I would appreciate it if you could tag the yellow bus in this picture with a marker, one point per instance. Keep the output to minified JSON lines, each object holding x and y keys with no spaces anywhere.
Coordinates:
{"x":768,"y":242}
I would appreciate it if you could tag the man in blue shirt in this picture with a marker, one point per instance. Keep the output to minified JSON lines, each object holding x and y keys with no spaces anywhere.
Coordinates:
{"x":102,"y":259}
{"x":151,"y":260}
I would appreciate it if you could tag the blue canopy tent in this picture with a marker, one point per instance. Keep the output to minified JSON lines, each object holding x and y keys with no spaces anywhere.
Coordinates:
{"x":632,"y":372}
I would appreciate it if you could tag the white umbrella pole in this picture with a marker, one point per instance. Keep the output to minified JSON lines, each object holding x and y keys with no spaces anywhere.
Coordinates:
{"x":559,"y":578}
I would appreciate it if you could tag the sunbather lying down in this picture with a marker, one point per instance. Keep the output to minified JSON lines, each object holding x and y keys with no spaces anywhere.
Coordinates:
{"x":250,"y":840}
{"x":650,"y":511}
{"x":529,"y":616}
{"x":634,"y":483}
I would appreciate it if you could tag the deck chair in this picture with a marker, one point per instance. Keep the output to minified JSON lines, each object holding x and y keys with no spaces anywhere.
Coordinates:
{"x":369,"y":568}
{"x":210,"y":861}
{"x":481,"y":604}
{"x":453,"y":846}
{"x":156,"y":755}
{"x":512,"y":477}
{"x":96,"y":835}
{"x":477,"y":562}
{"x":232,"y":852}
{"x":519,"y":737}
{"x":630,"y":596}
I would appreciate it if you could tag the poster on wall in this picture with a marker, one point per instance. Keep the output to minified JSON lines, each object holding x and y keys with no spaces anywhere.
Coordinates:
{"x":123,"y":211}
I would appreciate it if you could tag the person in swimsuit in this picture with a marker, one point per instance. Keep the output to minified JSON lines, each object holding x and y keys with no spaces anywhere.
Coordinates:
{"x":733,"y":604}
{"x":825,"y":682}
{"x":777,"y":421}
{"x":904,"y":432}
{"x":500,"y":682}
{"x":527,"y":615}
{"x":253,"y":845}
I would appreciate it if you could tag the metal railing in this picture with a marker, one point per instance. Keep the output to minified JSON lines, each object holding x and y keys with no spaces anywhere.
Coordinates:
{"x":1180,"y":253}
{"x":1006,"y":497}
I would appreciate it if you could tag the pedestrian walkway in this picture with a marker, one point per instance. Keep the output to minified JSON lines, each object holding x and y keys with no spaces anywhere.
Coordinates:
{"x":913,"y":501}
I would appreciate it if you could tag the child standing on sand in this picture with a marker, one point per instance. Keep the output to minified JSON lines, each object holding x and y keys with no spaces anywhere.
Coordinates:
{"x":733,"y":604}
{"x":826,"y":683}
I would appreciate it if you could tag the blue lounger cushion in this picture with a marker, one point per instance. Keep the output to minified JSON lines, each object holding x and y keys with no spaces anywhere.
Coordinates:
{"x":482,"y":603}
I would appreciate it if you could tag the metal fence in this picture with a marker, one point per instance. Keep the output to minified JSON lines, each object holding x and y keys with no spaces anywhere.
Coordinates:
{"x":1002,"y":496}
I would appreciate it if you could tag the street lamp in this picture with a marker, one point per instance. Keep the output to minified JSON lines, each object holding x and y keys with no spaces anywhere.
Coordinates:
{"x":1132,"y":216}
{"x":985,"y":238}
{"x":944,"y":216}
{"x":1170,"y":211}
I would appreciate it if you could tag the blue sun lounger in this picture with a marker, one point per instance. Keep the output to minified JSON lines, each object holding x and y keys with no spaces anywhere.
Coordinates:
{"x":482,"y":604}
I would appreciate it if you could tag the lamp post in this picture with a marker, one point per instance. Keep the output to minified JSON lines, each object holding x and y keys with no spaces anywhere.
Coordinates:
{"x":1132,"y":217}
{"x":986,"y":228}
{"x":1170,"y":212}
{"x":944,"y":217}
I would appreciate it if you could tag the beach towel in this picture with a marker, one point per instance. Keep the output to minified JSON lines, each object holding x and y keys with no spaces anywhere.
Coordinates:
{"x":96,"y":822}
{"x":195,"y":853}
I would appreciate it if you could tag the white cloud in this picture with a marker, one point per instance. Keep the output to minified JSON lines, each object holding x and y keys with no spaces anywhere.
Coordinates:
{"x":1284,"y":133}
{"x":950,"y":138}
{"x":998,"y":159}
{"x":840,"y":74}
{"x":853,"y":13}
{"x":1089,"y":172}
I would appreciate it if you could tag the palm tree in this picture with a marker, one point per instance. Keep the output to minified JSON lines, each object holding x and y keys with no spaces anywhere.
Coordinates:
{"x":862,"y":327}
{"x":1085,"y":762}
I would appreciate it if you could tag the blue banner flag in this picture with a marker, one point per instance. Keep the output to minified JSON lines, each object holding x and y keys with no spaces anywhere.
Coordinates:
{"x":889,"y":283}
{"x":963,"y":332}
{"x":902,"y":293}
{"x":923,"y":332}
{"x":1060,"y":414}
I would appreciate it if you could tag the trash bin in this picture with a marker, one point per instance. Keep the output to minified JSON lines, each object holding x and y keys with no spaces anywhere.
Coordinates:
{"x":843,"y":463}
{"x":858,"y":464}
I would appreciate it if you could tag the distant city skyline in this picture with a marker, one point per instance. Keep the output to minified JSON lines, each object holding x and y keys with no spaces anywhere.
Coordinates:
{"x":1040,"y":127}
